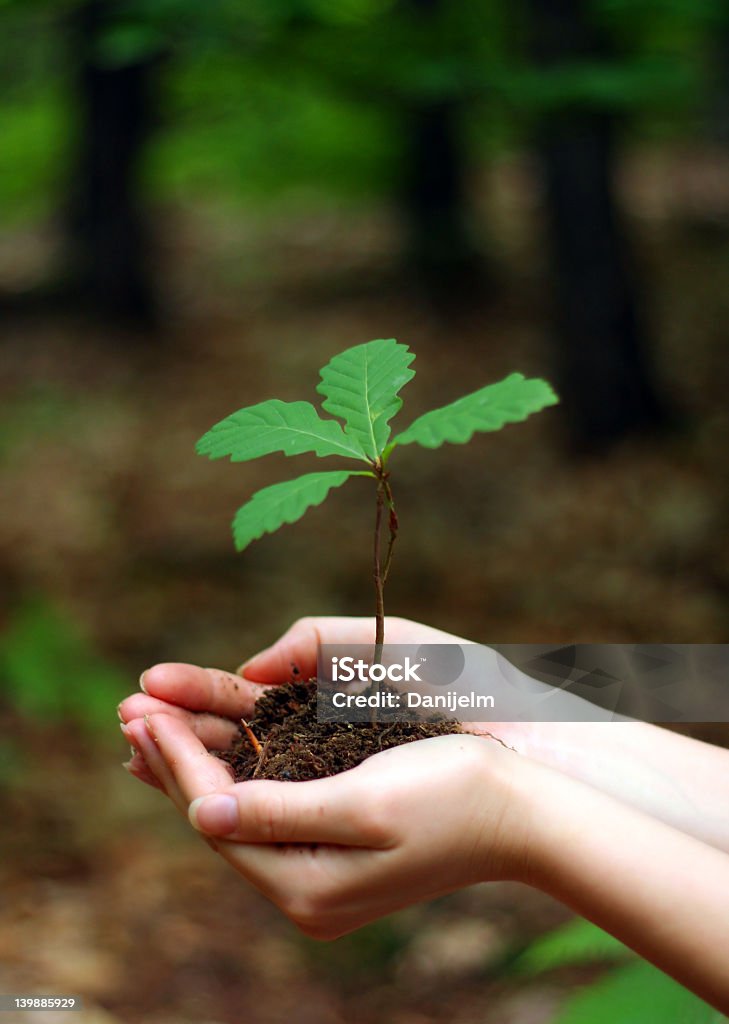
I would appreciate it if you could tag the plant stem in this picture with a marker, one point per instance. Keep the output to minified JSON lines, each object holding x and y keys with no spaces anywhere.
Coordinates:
{"x":380,"y":572}
{"x":384,"y":497}
{"x":393,"y":523}
{"x":379,"y":592}
{"x":379,"y":578}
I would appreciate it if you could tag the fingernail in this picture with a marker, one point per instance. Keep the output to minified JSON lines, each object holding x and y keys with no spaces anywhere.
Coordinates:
{"x":142,"y":687}
{"x":119,"y":714}
{"x":217,"y":814}
{"x":127,"y":766}
{"x":250,"y":663}
{"x":150,"y":730}
{"x":138,"y":769}
{"x":125,"y":731}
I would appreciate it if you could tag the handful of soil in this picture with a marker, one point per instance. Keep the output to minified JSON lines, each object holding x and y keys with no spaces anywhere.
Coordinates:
{"x":290,"y":744}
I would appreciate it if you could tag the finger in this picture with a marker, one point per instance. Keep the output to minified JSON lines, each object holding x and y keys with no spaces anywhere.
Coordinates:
{"x":280,"y":870}
{"x":195,"y":771}
{"x":201,"y":689}
{"x":215,"y":732}
{"x":332,"y":810}
{"x":145,"y":745}
{"x":262,"y":811}
{"x":277,"y":871}
{"x":295,"y":653}
{"x":137,"y":767}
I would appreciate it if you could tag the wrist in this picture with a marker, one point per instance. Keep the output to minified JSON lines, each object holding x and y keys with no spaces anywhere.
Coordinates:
{"x":544,"y":815}
{"x":510,"y":836}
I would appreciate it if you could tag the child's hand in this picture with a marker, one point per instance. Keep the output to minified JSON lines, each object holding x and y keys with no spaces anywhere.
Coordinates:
{"x":678,"y":780}
{"x":212,"y":702}
{"x":428,"y":817}
{"x":406,"y":825}
{"x":208,"y":701}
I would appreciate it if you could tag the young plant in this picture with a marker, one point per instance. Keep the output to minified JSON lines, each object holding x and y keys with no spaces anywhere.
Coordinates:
{"x":361,"y":388}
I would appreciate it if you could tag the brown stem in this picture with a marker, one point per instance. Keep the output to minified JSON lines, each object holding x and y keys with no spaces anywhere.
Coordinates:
{"x":261,"y":756}
{"x":379,"y":580}
{"x":380,"y":572}
{"x":393,"y":524}
{"x":379,"y":593}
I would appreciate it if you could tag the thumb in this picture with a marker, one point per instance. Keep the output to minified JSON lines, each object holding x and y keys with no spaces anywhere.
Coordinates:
{"x":294,"y":654}
{"x":262,"y":811}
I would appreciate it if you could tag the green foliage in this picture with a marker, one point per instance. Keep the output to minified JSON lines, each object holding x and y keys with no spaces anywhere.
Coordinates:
{"x":361,"y":387}
{"x":268,"y":137}
{"x":578,"y":942}
{"x":129,"y":43}
{"x":289,"y":427}
{"x":637,"y":993}
{"x":509,"y":401}
{"x":282,"y":503}
{"x":263,"y":98}
{"x":650,"y":80}
{"x":35,"y":133}
{"x":49,"y":669}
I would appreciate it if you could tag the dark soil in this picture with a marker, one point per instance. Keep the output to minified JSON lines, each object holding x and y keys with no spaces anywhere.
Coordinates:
{"x":297,"y":747}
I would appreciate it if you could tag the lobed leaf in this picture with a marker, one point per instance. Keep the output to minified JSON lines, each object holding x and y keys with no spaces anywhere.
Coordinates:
{"x":274,"y":426}
{"x":286,"y":502}
{"x":361,"y":387}
{"x":508,"y":401}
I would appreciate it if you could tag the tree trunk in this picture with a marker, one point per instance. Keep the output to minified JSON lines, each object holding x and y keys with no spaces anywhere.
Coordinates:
{"x":440,"y":245}
{"x":105,"y":219}
{"x":604,"y":374}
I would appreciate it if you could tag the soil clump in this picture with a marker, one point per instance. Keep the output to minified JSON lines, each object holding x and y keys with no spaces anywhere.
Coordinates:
{"x":295,"y":747}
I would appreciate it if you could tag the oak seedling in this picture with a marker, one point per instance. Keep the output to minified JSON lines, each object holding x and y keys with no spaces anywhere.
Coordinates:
{"x":361,"y":390}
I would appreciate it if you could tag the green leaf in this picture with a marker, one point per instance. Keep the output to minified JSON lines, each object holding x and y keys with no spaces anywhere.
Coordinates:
{"x":284,"y":503}
{"x":577,"y":942}
{"x":637,"y":994}
{"x":508,"y":401}
{"x":361,"y":387}
{"x":274,"y":426}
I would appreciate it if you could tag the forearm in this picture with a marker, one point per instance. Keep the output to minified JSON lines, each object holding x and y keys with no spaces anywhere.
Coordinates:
{"x":658,"y":890}
{"x":681,"y":781}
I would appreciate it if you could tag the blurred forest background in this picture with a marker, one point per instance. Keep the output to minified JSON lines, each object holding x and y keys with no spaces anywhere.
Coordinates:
{"x":200,"y":203}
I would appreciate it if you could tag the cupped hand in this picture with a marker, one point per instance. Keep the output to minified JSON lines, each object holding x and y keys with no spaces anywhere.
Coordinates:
{"x":406,"y":825}
{"x":211,"y":702}
{"x":423,"y":819}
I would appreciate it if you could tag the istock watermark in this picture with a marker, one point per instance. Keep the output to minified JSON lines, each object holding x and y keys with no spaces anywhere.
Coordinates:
{"x":349,"y":670}
{"x":524,"y":682}
{"x":411,"y":700}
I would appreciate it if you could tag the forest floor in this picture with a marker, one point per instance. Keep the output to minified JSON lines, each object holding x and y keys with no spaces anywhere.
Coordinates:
{"x":109,"y":519}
